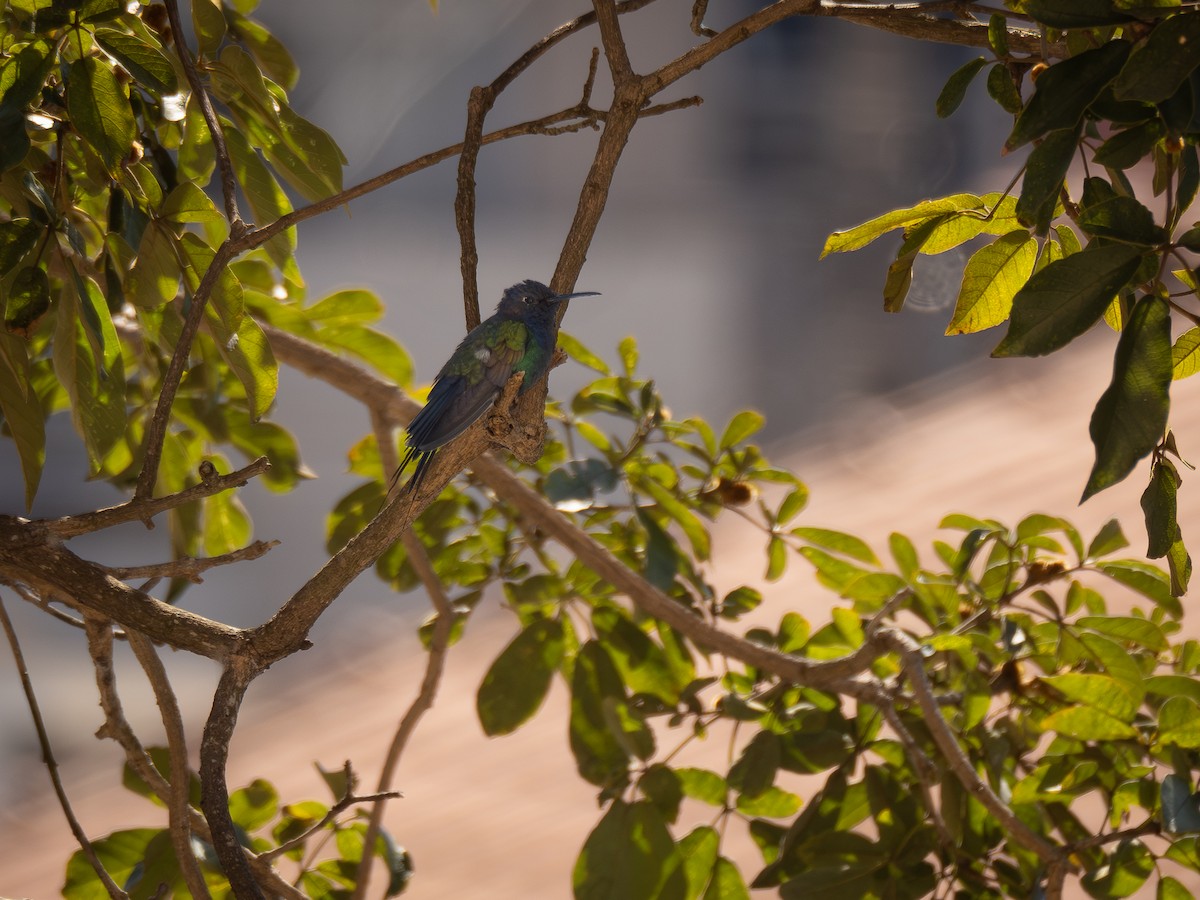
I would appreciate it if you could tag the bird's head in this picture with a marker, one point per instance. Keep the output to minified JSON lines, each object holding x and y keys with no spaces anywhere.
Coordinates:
{"x":531,"y":298}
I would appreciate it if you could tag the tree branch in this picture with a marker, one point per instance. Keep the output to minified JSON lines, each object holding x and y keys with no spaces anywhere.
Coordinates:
{"x":224,"y":164}
{"x":214,"y":790}
{"x":178,"y":807}
{"x":439,"y":645}
{"x":30,"y":555}
{"x":189,"y":567}
{"x":48,"y":758}
{"x":143,"y":510}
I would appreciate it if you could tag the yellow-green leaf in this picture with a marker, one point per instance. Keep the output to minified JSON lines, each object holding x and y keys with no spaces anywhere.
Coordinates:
{"x":993,"y":276}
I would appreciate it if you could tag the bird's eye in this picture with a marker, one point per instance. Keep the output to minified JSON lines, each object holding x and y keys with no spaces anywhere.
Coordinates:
{"x":527,"y":299}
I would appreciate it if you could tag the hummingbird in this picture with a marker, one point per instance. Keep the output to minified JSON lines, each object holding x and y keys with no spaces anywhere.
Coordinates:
{"x":519,"y":337}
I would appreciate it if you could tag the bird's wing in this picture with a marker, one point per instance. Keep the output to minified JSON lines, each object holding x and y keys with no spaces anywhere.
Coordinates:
{"x":466,"y":388}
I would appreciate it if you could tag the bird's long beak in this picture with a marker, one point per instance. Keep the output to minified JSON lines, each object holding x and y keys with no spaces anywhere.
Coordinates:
{"x":558,"y":298}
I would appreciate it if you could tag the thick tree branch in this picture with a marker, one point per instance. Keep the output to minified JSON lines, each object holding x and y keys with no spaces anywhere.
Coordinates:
{"x":214,"y":790}
{"x":30,"y":555}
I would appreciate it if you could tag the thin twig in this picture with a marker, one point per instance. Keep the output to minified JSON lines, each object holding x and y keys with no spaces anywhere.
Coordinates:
{"x":178,"y":807}
{"x":224,"y":163}
{"x":48,"y":758}
{"x":143,"y":510}
{"x":191,"y":567}
{"x":439,"y":644}
{"x":117,"y":727}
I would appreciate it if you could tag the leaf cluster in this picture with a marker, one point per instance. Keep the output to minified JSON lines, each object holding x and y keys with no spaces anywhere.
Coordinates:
{"x":1062,"y":255}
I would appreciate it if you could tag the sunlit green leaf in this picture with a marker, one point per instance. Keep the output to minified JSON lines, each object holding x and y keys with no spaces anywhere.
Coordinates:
{"x":861,"y":235}
{"x":144,"y":62}
{"x":992,"y":277}
{"x":100,"y":110}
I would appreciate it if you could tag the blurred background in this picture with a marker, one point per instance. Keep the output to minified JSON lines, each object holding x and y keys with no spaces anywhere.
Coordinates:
{"x":708,"y":253}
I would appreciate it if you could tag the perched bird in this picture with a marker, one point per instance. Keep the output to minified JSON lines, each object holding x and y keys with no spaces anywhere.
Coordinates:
{"x":519,"y":337}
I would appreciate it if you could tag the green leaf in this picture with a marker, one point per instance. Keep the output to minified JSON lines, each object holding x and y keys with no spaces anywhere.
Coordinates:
{"x":249,"y":355}
{"x":703,"y":785}
{"x":1179,"y":723}
{"x":154,"y":278}
{"x":992,"y":277}
{"x":100,"y":110}
{"x":187,"y":203}
{"x":270,"y":54}
{"x":1129,"y":147}
{"x":1125,"y":871}
{"x":575,"y":349}
{"x":698,"y":849}
{"x":1114,"y":696}
{"x":28,"y":300}
{"x":839,"y":542}
{"x":642,"y":663}
{"x":254,"y":806}
{"x":757,"y":765}
{"x":17,"y":238}
{"x":1122,"y":219}
{"x":629,"y":856}
{"x":1159,"y":507}
{"x":858,"y":237}
{"x":209,"y":24}
{"x":1065,"y":90}
{"x":740,"y":427}
{"x":1044,"y":173}
{"x":517,"y":682}
{"x":773,"y":803}
{"x":1108,"y":540}
{"x":95,"y":384}
{"x":660,"y":786}
{"x":1180,"y":806}
{"x":1171,"y":889}
{"x":1085,"y":723}
{"x":267,"y":199}
{"x":1002,"y":89}
{"x":1066,"y":298}
{"x":628,"y":351}
{"x":1158,"y":67}
{"x":1131,"y":416}
{"x":956,"y":87}
{"x":1075,"y":13}
{"x":693,"y":528}
{"x":1126,"y":629}
{"x":373,"y":347}
{"x":226,"y":524}
{"x":144,"y":62}
{"x":727,"y":883}
{"x":22,"y":413}
{"x":601,"y":758}
{"x":1185,"y":354}
{"x":122,"y":853}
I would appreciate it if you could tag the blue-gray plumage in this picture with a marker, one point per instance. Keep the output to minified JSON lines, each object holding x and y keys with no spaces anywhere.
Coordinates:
{"x":519,"y":337}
